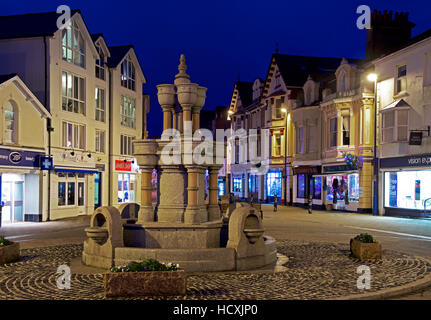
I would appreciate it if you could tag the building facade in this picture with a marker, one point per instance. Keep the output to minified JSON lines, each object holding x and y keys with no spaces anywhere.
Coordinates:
{"x":94,"y":94}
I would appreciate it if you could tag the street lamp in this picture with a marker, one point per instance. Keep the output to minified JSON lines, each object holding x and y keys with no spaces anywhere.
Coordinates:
{"x":372,"y":77}
{"x":284,"y":110}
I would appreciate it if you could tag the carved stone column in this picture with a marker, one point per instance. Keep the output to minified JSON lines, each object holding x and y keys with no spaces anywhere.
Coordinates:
{"x":146,"y":212}
{"x":192,"y":214}
{"x":213,"y":206}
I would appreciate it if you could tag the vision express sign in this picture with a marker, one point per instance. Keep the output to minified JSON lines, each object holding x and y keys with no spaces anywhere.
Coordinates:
{"x":410,"y":161}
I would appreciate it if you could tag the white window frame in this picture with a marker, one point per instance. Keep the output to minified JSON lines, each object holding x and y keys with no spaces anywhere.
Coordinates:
{"x":395,"y":127}
{"x":100,"y":141}
{"x":100,"y":71}
{"x":333,"y":133}
{"x":128,"y":74}
{"x":100,"y":108}
{"x":77,"y":136}
{"x":126,"y":145}
{"x":76,"y":179}
{"x":400,"y":80}
{"x":68,"y":92}
{"x":128,"y":112}
{"x":73,"y":52}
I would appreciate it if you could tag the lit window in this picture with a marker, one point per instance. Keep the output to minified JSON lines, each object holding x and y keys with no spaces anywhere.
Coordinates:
{"x":128,"y":74}
{"x":333,"y":132}
{"x":346,"y":130}
{"x":73,"y":135}
{"x":401,"y":84}
{"x":128,"y":112}
{"x":100,"y":64}
{"x":237,"y":184}
{"x":126,"y":187}
{"x":100,"y":104}
{"x":73,"y":45}
{"x":73,"y":93}
{"x":277,"y":146}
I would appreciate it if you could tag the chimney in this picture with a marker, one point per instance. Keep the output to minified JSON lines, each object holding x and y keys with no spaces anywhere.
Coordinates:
{"x":388,"y":33}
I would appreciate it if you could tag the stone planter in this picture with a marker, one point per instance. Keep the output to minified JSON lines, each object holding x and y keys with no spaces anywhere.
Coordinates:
{"x":150,"y":283}
{"x":9,"y":253}
{"x":365,"y":251}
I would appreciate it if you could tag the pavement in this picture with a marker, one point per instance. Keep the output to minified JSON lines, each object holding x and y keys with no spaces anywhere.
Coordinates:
{"x":317,"y":264}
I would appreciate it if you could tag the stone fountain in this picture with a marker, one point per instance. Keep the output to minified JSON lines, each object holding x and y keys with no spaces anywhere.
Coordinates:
{"x":181,"y":227}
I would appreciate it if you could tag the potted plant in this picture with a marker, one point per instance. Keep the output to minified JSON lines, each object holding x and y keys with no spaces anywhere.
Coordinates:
{"x":364,"y":247}
{"x":146,"y":278}
{"x":9,"y":251}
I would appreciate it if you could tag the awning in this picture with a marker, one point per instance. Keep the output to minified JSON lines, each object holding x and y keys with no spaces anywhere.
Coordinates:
{"x":76,"y":170}
{"x":398,"y":104}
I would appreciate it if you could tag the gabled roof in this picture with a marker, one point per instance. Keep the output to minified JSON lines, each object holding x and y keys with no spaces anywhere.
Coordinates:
{"x":25,"y":91}
{"x":99,"y":37}
{"x":117,"y":55}
{"x":397,"y":104}
{"x":30,"y":25}
{"x":245,"y":92}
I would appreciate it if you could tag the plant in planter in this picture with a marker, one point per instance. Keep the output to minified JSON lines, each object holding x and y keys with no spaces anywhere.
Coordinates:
{"x":364,"y":247}
{"x":146,"y":278}
{"x":9,"y":251}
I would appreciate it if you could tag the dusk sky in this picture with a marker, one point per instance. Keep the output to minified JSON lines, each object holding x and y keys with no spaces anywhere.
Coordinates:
{"x":224,"y":39}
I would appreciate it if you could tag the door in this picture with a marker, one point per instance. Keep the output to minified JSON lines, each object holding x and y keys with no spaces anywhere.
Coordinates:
{"x":80,"y":190}
{"x":97,"y":190}
{"x":6,"y":198}
{"x":12,"y":197}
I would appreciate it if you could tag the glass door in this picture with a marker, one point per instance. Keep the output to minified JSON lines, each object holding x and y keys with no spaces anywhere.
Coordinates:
{"x":97,"y":190}
{"x":6,"y":198}
{"x":13,"y":201}
{"x":18,"y":203}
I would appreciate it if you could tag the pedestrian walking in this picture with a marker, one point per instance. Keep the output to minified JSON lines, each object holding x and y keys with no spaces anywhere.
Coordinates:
{"x":275,"y":202}
{"x":310,"y":204}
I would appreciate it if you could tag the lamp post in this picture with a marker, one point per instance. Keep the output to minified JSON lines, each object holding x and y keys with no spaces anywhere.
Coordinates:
{"x":284,"y":110}
{"x":372,"y":77}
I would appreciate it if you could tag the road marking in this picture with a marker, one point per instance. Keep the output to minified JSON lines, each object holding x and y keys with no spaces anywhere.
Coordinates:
{"x":393,"y":232}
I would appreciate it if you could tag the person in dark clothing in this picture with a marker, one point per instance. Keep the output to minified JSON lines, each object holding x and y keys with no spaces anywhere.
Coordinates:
{"x":310,"y":204}
{"x":275,"y":202}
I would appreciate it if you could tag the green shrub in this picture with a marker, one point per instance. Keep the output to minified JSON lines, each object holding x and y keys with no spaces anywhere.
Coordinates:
{"x":365,"y":238}
{"x":146,"y":265}
{"x":4,"y":242}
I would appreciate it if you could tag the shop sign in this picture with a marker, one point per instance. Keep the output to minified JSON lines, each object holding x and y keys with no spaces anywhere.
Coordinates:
{"x":410,"y":161}
{"x":121,"y":165}
{"x":19,"y":158}
{"x":415,"y":138}
{"x":306,"y":170}
{"x":339,"y":168}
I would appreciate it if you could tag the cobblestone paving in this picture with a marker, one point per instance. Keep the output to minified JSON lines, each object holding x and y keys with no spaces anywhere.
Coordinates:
{"x":314,"y":271}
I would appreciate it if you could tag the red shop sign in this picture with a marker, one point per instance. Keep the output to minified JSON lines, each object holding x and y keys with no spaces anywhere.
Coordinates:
{"x":120,"y":165}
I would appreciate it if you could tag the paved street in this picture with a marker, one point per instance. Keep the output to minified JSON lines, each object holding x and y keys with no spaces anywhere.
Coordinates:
{"x":323,"y":237}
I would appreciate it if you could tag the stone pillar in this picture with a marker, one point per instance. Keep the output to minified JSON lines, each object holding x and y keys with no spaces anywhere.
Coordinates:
{"x":172,"y":194}
{"x":196,"y":119}
{"x":146,"y":212}
{"x":174,"y":120}
{"x":167,"y":115}
{"x":192,"y":214}
{"x":187,"y":114}
{"x":214,"y":213}
{"x":180,"y":120}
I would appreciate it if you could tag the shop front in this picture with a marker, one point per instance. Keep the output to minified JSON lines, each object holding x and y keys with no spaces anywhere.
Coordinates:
{"x":307,"y":181}
{"x":341,"y":188}
{"x":127,"y":176}
{"x":20,"y":185}
{"x":274,"y":185}
{"x":406,"y":185}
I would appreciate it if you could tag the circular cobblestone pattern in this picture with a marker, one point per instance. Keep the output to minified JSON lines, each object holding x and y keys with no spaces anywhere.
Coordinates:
{"x":314,"y":271}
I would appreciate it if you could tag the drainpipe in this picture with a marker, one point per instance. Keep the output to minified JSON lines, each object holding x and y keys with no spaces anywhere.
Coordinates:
{"x":111,"y":107}
{"x":48,"y":127}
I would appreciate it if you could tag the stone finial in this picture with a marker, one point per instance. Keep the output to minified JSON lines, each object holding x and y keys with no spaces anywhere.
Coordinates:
{"x":344,"y":61}
{"x":182,"y":77}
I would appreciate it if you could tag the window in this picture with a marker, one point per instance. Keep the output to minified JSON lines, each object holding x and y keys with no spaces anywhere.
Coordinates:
{"x":73,"y":135}
{"x":128,"y":112}
{"x":395,"y":126}
{"x":10,"y":123}
{"x":342,"y":81}
{"x":277,"y":146}
{"x":237,"y":184}
{"x":126,"y":187}
{"x":278,"y":109}
{"x":128,"y":74}
{"x":310,"y":141}
{"x":100,"y":104}
{"x":100,"y":64}
{"x":277,"y":81}
{"x":301,"y":186}
{"x":346,"y":130}
{"x":73,"y":45}
{"x":273,"y":184}
{"x":73,"y":93}
{"x":333,"y":132}
{"x":100,"y":141}
{"x":401,"y":85}
{"x":300,"y":140}
{"x":126,"y":146}
{"x":71,"y":189}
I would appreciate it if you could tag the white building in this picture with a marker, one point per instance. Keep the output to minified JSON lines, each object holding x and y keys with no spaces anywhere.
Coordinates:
{"x":97,"y":107}
{"x":404,"y":104}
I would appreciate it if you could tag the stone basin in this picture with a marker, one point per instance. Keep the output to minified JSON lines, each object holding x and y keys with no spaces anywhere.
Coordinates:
{"x":98,"y":234}
{"x":253,"y":234}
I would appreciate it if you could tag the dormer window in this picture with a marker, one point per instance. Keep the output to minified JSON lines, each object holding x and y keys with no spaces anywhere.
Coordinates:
{"x":73,"y":45}
{"x":128,"y":74}
{"x":277,"y":80}
{"x":100,"y":64}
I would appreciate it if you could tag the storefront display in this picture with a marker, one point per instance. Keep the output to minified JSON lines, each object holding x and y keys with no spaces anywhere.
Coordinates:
{"x":126,"y":187}
{"x":273,"y":180}
{"x":345,"y":187}
{"x":407,"y":189}
{"x":237,"y":184}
